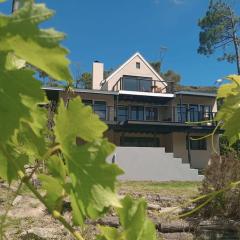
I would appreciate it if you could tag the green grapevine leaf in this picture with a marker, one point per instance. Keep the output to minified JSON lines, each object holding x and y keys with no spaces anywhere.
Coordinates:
{"x":230,"y":88}
{"x":57,"y":168}
{"x":11,"y":162}
{"x":20,"y":34}
{"x":92,"y":179}
{"x":54,"y":191}
{"x":79,"y":122}
{"x":19,"y":93}
{"x":135,"y":224}
{"x":229,"y":112}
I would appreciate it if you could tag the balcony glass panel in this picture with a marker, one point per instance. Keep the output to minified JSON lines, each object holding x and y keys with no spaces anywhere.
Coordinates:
{"x":193,"y":110}
{"x":100,"y":109}
{"x":137,"y":113}
{"x":122,"y":113}
{"x":182,"y":113}
{"x":137,"y":84}
{"x":151,"y":113}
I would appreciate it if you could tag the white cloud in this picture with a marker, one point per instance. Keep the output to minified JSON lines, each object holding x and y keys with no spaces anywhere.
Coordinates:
{"x":176,"y":2}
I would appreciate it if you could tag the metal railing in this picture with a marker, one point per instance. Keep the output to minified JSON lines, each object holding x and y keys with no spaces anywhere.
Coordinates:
{"x":154,"y":86}
{"x":165,"y":114}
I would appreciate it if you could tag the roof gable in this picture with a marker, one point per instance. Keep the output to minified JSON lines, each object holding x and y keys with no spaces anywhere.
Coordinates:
{"x":142,"y":60}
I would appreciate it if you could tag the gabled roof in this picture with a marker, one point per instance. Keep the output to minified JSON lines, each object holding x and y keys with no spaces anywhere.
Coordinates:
{"x":137,"y":54}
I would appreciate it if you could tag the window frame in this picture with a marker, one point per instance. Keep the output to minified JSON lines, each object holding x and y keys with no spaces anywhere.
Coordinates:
{"x":196,"y":145}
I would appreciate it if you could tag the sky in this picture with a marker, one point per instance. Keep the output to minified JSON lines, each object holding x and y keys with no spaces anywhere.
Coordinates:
{"x":111,"y":31}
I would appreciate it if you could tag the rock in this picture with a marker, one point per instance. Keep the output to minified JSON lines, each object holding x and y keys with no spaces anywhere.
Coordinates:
{"x":111,"y":221}
{"x":177,"y":236}
{"x":36,"y":233}
{"x":27,"y":207}
{"x":176,"y":226}
{"x":152,"y":206}
{"x":17,"y":200}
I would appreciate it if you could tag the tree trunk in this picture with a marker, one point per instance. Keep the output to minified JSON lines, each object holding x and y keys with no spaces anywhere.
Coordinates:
{"x":236,"y":44}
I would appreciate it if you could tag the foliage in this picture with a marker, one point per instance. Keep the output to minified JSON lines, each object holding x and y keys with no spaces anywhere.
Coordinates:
{"x":85,"y":79}
{"x":229,"y":113}
{"x":220,"y":173}
{"x":226,"y":148}
{"x":219,"y":30}
{"x":133,"y":221}
{"x":156,"y":66}
{"x":79,"y":172}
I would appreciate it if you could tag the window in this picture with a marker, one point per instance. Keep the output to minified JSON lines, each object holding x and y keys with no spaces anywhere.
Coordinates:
{"x":197,"y":144}
{"x":182,"y":113}
{"x":139,"y":142}
{"x":205,"y":112}
{"x":99,"y":108}
{"x":137,"y":113}
{"x":137,"y":84}
{"x":193,"y":112}
{"x":130,"y":84}
{"x":122,"y":113}
{"x":151,"y":113}
{"x":138,"y":65}
{"x":87,"y":102}
{"x":145,"y":86}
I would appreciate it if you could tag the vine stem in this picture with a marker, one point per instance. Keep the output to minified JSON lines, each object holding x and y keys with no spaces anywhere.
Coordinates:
{"x":25,"y":179}
{"x":4,"y":217}
{"x":57,"y":215}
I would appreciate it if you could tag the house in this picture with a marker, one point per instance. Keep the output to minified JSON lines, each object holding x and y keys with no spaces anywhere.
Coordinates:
{"x":152,"y":126}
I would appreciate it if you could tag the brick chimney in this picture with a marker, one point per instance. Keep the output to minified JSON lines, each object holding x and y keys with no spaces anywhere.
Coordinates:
{"x":98,"y":72}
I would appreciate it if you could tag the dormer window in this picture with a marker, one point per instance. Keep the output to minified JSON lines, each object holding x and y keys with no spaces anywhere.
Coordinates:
{"x":138,"y":65}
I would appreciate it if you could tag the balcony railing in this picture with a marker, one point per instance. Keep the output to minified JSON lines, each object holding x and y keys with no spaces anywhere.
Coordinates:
{"x":141,"y":84}
{"x":165,"y":114}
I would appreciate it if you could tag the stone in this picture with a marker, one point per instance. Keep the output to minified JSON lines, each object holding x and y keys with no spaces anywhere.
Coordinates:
{"x":37,"y":233}
{"x":17,"y":200}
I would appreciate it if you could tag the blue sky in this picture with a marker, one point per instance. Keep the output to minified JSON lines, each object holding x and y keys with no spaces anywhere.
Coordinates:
{"x":111,"y":31}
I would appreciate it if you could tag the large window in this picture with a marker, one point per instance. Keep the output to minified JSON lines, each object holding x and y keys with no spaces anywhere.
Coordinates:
{"x":139,"y":142}
{"x":99,"y":108}
{"x":193,"y":112}
{"x":122,"y":113}
{"x":196,"y":144}
{"x":205,"y":112}
{"x":137,"y":84}
{"x":151,"y":114}
{"x":182,"y":113}
{"x":137,"y":113}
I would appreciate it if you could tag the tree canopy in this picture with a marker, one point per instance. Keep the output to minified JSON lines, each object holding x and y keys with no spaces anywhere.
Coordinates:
{"x":219,"y":31}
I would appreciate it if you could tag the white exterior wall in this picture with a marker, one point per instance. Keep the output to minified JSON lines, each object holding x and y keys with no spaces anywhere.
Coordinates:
{"x":98,"y":71}
{"x":152,"y":164}
{"x":199,"y":158}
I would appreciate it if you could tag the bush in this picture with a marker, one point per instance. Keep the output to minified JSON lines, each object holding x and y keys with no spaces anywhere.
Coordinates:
{"x":221,"y":172}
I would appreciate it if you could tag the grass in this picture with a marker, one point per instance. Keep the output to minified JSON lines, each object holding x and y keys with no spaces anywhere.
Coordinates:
{"x":172,"y":188}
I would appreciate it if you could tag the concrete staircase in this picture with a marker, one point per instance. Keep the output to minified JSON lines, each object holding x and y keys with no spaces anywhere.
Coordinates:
{"x":152,"y":164}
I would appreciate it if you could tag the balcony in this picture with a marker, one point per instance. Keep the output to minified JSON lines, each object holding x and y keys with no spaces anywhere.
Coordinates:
{"x":140,"y":84}
{"x":160,"y":114}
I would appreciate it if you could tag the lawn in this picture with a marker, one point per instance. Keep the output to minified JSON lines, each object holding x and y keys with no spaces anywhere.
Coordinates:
{"x":172,"y":189}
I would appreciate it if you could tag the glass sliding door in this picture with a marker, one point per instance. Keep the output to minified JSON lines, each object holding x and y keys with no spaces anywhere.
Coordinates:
{"x":151,"y":113}
{"x":100,"y":109}
{"x":182,"y":113}
{"x":122,"y":113}
{"x":193,"y":113}
{"x":137,"y":113}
